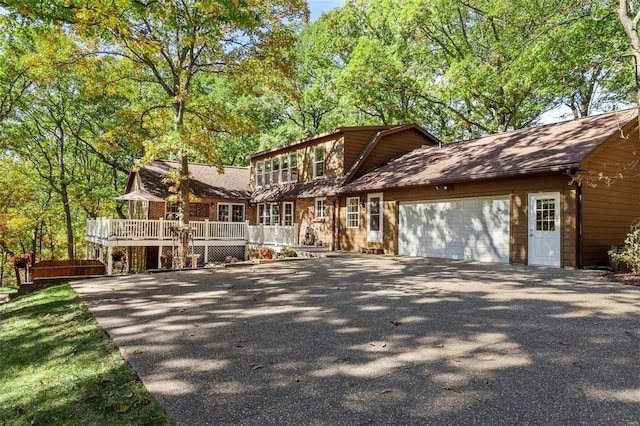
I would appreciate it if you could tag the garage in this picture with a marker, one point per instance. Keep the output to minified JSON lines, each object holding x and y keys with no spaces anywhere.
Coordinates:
{"x":467,"y":228}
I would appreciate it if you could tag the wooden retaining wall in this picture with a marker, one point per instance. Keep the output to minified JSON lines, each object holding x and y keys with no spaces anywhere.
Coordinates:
{"x":67,"y":268}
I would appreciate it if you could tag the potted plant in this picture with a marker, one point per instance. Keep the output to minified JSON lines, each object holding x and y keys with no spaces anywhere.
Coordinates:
{"x":253,"y":253}
{"x":267,"y":252}
{"x":20,"y":261}
{"x":117,"y":255}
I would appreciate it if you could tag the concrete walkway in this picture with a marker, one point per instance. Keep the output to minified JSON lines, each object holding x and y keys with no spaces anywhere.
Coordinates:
{"x":379,"y":340}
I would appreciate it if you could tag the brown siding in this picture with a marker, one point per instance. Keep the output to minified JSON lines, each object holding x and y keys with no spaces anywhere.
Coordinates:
{"x":609,"y":207}
{"x":305,"y":216}
{"x":518,"y":189}
{"x":355,"y":142}
{"x":391,"y":146}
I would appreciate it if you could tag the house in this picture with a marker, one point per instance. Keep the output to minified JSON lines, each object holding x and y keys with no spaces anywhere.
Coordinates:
{"x":300,"y":183}
{"x":556,"y":195}
{"x":218,"y":214}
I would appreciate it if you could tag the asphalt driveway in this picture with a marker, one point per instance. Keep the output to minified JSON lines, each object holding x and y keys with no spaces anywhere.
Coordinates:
{"x":379,"y":340}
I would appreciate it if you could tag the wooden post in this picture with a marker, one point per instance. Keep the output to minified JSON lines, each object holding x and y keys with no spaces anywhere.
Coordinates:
{"x":109,"y":261}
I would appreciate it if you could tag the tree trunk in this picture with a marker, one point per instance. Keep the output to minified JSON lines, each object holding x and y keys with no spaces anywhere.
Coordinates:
{"x":184,"y":186}
{"x":68,"y":221}
{"x":630,"y":24}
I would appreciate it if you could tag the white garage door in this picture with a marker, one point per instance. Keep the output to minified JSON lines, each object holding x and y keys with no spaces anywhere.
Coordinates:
{"x":469,"y":228}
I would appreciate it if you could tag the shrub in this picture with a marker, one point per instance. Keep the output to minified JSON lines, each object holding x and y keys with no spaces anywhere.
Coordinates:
{"x":267,"y":252}
{"x":630,"y":254}
{"x":288,"y":252}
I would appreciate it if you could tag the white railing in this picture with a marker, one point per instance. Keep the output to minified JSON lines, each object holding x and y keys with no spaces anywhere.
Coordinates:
{"x":275,"y":235}
{"x":104,"y":229}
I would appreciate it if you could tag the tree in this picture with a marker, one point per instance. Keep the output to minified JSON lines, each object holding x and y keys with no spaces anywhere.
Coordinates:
{"x":629,"y":15}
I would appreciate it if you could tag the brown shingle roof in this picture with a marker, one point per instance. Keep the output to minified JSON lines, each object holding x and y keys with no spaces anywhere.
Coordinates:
{"x":553,"y":147}
{"x":205,"y":180}
{"x":316,"y":188}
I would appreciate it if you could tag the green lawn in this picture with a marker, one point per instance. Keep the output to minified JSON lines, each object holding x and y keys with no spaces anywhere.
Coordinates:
{"x":59,"y":367}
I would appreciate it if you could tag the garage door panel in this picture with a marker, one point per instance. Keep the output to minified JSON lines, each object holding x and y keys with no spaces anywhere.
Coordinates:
{"x":471,"y":229}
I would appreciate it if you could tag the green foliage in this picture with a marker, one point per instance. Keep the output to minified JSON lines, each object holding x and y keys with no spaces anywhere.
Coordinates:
{"x":59,"y":367}
{"x":288,"y":252}
{"x":630,"y":254}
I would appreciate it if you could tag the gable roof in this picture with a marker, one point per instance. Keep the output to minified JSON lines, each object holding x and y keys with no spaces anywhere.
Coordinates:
{"x":553,"y":147}
{"x":205,"y":180}
{"x":376,"y":139}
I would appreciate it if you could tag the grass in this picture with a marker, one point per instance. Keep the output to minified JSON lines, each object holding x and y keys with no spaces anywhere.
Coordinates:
{"x":8,"y":289}
{"x":59,"y":367}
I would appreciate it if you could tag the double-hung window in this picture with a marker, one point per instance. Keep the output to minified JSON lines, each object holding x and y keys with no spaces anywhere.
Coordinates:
{"x":320,"y":211}
{"x":223,"y":212}
{"x":285,"y":168}
{"x":259,"y":173}
{"x":287,"y":216}
{"x":318,"y":162}
{"x":353,"y":212}
{"x":293,"y":167}
{"x":267,"y":172}
{"x":275,"y":170}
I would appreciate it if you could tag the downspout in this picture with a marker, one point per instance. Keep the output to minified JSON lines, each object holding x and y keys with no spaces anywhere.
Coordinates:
{"x":333,"y":225}
{"x":580,"y":239}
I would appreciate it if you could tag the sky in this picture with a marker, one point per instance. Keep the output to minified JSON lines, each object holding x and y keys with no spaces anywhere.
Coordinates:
{"x":318,"y":6}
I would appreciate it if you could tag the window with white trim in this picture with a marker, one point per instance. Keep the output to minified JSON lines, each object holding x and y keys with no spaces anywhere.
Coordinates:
{"x":287,"y":214}
{"x":275,"y":170}
{"x":275,"y":214}
{"x":260,"y":173}
{"x":261,"y":208}
{"x":353,"y":212}
{"x":267,"y":172}
{"x":318,"y":162}
{"x":230,"y":212}
{"x":285,"y":168}
{"x":293,"y":167}
{"x":320,"y":211}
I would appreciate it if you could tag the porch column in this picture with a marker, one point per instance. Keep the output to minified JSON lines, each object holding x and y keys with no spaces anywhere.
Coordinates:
{"x":109,"y":261}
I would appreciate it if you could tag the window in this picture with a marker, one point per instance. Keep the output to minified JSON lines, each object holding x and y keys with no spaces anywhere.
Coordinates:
{"x":171,"y":211}
{"x":260,"y":173}
{"x":199,"y":210}
{"x":318,"y":162}
{"x":268,"y":214}
{"x":237,"y":213}
{"x":320,"y":208}
{"x":267,"y":172}
{"x":285,"y":168}
{"x":275,"y":214}
{"x":546,"y":214}
{"x":353,"y":212}
{"x":230,"y":212}
{"x":223,"y":212}
{"x":287,"y":217}
{"x":293,"y":167}
{"x":275,"y":179}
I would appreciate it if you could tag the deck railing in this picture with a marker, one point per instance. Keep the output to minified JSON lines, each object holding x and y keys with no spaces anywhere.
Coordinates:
{"x":105,"y":229}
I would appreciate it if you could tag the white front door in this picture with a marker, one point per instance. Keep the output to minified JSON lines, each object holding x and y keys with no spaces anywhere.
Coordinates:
{"x":544,"y":229}
{"x":374,"y":217}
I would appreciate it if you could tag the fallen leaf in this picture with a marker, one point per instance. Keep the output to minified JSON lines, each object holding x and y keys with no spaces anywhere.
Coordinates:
{"x":577,"y":364}
{"x":196,"y":325}
{"x":439,"y":346}
{"x":342,"y":359}
{"x":123,"y":408}
{"x":446,"y":387}
{"x":256,"y":366}
{"x":383,"y":391}
{"x":396,"y":323}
